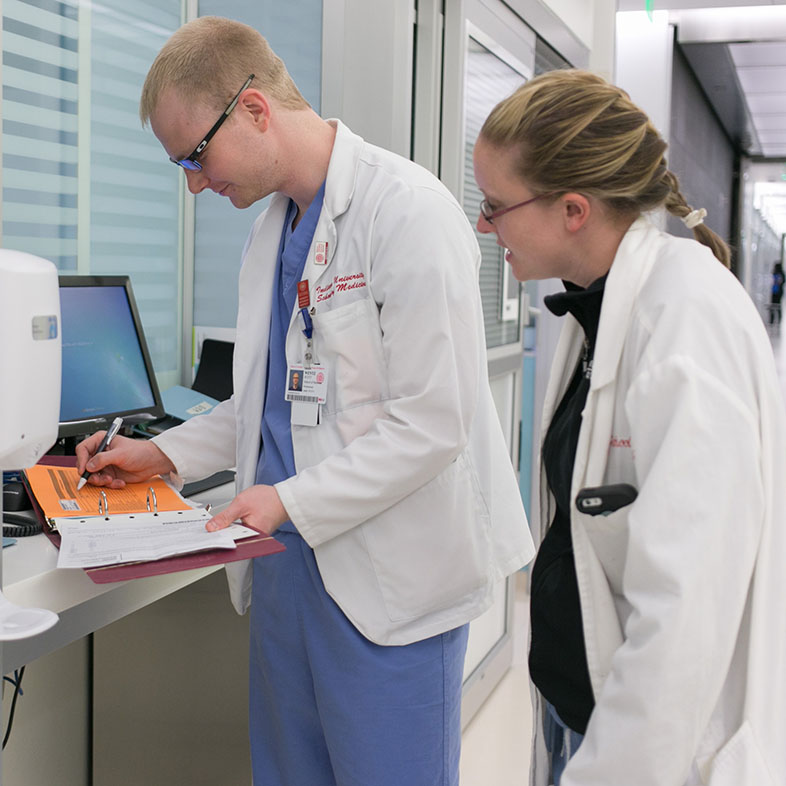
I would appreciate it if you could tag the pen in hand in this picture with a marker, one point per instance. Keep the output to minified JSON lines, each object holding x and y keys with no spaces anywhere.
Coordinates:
{"x":111,"y":431}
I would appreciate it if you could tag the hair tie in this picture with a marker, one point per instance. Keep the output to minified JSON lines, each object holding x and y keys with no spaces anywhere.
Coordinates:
{"x":694,"y":218}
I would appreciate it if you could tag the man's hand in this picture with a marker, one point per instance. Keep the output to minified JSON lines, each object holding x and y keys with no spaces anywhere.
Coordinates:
{"x":124,"y":461}
{"x":258,"y":507}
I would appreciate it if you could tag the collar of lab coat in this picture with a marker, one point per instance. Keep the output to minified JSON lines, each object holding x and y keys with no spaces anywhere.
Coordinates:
{"x":630,"y":269}
{"x":631,"y":266}
{"x":339,"y":189}
{"x":342,"y":170}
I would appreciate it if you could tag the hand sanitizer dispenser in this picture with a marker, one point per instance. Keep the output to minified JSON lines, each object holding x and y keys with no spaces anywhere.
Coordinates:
{"x":30,"y":354}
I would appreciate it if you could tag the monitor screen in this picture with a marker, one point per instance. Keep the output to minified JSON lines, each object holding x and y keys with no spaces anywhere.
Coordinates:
{"x":106,"y":365}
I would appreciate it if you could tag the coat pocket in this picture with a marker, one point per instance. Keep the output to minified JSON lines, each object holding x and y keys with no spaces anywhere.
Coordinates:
{"x":432,"y":550}
{"x":608,"y":536}
{"x":738,"y":763}
{"x":348,"y":342}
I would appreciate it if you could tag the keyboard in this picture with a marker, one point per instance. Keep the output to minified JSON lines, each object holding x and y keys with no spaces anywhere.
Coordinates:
{"x":210,"y":482}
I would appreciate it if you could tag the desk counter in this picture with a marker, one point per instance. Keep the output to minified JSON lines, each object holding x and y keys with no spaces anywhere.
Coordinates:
{"x":31,"y":578}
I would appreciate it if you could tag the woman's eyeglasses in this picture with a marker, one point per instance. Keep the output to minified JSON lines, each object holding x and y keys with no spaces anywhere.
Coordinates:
{"x":490,"y":215}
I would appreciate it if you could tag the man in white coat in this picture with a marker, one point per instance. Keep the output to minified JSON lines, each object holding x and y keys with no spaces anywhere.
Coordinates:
{"x":386,"y":476}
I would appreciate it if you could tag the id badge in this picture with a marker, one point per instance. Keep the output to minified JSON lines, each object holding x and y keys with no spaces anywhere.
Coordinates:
{"x":306,"y":390}
{"x":306,"y":384}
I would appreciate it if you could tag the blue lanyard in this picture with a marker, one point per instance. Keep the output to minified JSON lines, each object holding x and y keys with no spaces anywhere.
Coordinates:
{"x":307,"y":321}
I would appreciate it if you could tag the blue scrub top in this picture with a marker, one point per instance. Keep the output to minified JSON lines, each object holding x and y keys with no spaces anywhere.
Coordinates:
{"x":276,"y":457}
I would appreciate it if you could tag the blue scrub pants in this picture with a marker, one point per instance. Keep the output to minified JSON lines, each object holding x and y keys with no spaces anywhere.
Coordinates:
{"x":330,"y":708}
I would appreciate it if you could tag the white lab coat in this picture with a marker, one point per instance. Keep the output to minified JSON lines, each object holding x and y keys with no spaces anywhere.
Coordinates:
{"x":405,"y":489}
{"x":682,"y":592}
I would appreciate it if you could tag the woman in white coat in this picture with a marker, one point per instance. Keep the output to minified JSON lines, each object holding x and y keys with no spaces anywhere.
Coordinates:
{"x":658,"y":637}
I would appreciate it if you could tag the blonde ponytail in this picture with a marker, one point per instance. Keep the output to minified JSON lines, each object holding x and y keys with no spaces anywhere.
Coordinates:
{"x":678,"y":206}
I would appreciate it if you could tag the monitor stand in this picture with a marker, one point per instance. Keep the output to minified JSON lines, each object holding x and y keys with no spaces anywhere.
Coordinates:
{"x":65,"y":446}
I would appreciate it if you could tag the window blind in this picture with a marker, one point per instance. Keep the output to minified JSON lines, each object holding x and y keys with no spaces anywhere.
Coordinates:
{"x":83,"y":184}
{"x":40,"y":101}
{"x":134,"y":190}
{"x":489,"y":80}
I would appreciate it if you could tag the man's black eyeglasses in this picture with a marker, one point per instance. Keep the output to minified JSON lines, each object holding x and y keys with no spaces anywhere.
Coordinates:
{"x":190,"y":162}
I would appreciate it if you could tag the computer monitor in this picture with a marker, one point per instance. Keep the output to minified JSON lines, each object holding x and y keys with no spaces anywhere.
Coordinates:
{"x":106,"y":365}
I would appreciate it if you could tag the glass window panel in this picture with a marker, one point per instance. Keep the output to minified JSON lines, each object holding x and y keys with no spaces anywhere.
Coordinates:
{"x":294,"y":30}
{"x":134,"y":216}
{"x":82,"y":183}
{"x":489,"y":80}
{"x":39,"y":104}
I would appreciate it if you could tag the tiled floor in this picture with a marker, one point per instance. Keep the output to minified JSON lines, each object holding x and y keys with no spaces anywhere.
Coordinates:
{"x":496,"y":743}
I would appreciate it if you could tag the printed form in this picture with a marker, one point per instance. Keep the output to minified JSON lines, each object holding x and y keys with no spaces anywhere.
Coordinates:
{"x":96,"y":541}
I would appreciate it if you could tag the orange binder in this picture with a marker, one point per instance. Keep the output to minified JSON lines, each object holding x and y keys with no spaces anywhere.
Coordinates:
{"x":54,"y":488}
{"x":136,"y":501}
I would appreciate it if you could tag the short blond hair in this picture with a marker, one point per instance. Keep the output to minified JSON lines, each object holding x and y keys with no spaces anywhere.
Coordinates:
{"x":209,"y":59}
{"x":573,"y":131}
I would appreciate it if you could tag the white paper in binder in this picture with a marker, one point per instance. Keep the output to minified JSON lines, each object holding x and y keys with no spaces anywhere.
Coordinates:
{"x":95,"y":541}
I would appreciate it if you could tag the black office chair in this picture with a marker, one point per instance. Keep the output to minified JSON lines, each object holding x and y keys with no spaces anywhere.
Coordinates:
{"x":214,"y":373}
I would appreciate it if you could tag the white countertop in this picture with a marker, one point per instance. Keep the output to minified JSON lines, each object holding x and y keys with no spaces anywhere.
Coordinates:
{"x":31,"y":578}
